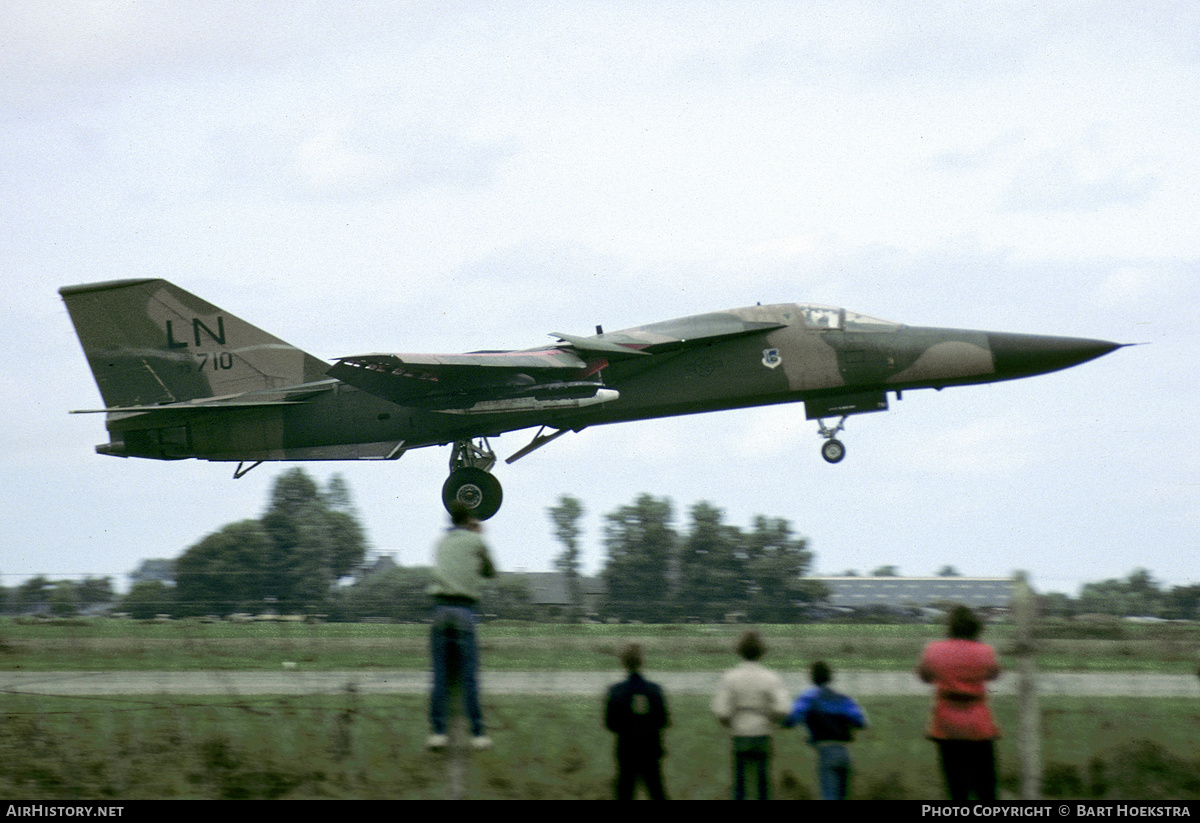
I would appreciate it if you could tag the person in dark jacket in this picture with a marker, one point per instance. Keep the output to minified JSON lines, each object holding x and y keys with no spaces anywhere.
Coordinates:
{"x":636,"y":712}
{"x":831,"y":719}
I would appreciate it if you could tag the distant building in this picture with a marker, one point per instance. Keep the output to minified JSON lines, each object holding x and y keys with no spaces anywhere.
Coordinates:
{"x":376,"y":562}
{"x":918,"y":592}
{"x":551,"y":599}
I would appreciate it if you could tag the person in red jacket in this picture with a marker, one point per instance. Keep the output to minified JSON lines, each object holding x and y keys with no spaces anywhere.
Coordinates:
{"x":961,"y":723}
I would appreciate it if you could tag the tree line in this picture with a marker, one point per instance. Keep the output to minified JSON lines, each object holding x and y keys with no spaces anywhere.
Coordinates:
{"x":706,"y":573}
{"x":291,"y":559}
{"x":1137,"y":595}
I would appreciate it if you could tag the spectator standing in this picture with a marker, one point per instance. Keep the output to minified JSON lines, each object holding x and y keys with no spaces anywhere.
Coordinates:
{"x":831,"y":719}
{"x":750,"y":701}
{"x":461,"y":563}
{"x":636,"y":712}
{"x":961,"y":723}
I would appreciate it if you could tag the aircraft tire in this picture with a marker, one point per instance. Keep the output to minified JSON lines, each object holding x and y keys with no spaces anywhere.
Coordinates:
{"x":833,"y":451}
{"x":476,"y":488}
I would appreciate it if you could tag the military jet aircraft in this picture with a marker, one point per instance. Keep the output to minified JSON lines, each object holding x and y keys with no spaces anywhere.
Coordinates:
{"x":182,"y":378}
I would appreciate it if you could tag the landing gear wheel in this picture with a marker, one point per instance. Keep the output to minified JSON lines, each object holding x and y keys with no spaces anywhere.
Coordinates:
{"x":833,"y":451}
{"x":477,"y":489}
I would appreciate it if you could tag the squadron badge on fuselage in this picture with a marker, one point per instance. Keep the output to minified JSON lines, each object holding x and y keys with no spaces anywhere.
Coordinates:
{"x":771,"y":358}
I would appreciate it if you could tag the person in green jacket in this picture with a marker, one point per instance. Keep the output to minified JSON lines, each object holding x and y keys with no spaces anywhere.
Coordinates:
{"x":461,"y":563}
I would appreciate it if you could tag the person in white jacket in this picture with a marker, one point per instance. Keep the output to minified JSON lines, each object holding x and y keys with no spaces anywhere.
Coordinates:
{"x":750,"y":702}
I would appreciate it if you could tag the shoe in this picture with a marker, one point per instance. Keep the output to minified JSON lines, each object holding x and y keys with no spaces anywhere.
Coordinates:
{"x":437,"y":741}
{"x":481,"y":743}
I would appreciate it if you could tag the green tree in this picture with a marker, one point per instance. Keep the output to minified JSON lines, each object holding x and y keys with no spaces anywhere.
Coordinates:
{"x":297,"y":561}
{"x":1057,"y":604}
{"x":349,"y":539}
{"x":1182,"y":603}
{"x":337,"y":495}
{"x":148,"y":599}
{"x":508,"y":597}
{"x":565,"y":517}
{"x":777,"y":564}
{"x":312,"y":543}
{"x":33,"y":596}
{"x":64,"y":599}
{"x":289,"y":559}
{"x":157,"y":569}
{"x":712,"y":567}
{"x":397,"y":594}
{"x":95,"y":591}
{"x":640,"y":542}
{"x":1135,"y":596}
{"x":226,"y":572}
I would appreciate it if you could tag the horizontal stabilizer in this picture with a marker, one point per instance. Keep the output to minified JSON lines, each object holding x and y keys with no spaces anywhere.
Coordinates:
{"x":272,"y":397}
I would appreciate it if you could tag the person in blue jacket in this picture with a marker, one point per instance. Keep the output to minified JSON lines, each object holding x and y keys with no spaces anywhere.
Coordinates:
{"x":831,"y":719}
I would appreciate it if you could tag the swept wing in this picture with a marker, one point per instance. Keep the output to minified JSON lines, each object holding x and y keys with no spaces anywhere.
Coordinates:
{"x":475,"y":382}
{"x":566,"y":375}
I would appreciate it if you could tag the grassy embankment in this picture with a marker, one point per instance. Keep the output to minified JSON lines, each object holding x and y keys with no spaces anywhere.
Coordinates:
{"x":356,"y":746}
{"x":369,"y":746}
{"x":183,"y":645}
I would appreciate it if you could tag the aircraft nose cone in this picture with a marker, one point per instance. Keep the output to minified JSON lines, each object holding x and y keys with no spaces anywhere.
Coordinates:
{"x":1018,"y":355}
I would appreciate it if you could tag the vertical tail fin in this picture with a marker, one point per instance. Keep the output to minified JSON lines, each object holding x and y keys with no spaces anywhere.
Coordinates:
{"x":150,"y":342}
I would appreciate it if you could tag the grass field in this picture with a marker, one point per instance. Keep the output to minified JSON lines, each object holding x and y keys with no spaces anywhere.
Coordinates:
{"x":182,"y":645}
{"x":352,"y":746}
{"x":369,"y":746}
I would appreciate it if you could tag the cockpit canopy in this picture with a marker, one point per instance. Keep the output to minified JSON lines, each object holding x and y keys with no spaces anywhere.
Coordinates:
{"x":834,"y":319}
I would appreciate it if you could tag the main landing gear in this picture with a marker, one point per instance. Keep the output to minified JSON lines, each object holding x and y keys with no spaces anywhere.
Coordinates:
{"x":833,"y":450}
{"x":471,"y":482}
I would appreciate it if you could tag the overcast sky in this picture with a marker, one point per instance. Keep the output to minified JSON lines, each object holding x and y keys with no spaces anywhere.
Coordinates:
{"x":383,"y":176}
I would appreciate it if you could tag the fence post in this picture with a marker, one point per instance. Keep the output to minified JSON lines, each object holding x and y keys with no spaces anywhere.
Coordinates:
{"x":1029,"y":740}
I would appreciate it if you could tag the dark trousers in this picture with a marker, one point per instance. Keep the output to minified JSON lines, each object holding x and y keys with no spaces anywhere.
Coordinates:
{"x":969,"y":767}
{"x":452,"y":647}
{"x":752,"y":754}
{"x":635,"y":767}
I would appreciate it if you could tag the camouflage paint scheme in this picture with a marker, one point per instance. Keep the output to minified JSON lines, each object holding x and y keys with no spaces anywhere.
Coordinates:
{"x":182,"y":378}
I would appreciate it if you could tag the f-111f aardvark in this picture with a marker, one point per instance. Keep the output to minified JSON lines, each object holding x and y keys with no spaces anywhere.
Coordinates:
{"x":182,"y":378}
